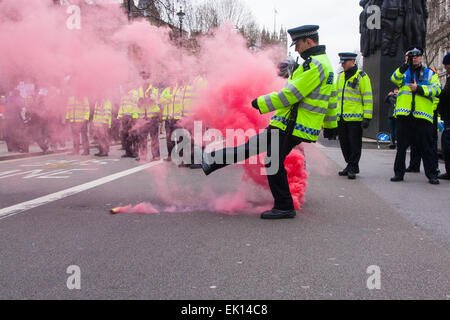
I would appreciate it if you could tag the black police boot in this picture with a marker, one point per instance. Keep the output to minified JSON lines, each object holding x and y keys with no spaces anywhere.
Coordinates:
{"x":396,"y":179}
{"x":210,"y":168}
{"x":351,"y":175}
{"x":344,"y":172}
{"x":208,"y":165}
{"x":278,"y":214}
{"x":444,"y":176}
{"x":434,"y":181}
{"x":409,"y":169}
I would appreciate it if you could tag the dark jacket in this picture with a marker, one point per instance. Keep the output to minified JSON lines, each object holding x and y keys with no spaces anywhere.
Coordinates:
{"x":391,"y":100}
{"x":444,"y":102}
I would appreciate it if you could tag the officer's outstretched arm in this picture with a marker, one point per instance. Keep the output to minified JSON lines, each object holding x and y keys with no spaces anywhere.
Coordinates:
{"x":296,"y":89}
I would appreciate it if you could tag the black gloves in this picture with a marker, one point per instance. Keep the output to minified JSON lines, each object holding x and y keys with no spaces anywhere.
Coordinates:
{"x":255,"y":104}
{"x":404,"y":67}
{"x":420,"y":91}
{"x":365,"y":123}
{"x":330,"y":134}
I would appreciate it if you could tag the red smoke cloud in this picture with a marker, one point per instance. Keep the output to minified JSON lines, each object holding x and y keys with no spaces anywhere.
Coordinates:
{"x":36,"y":46}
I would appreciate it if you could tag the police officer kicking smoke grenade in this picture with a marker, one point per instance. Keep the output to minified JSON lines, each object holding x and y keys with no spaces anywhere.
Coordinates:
{"x":355,"y":110}
{"x":307,"y":102}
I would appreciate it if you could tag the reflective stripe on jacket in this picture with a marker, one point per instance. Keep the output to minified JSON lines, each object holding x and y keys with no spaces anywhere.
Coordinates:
{"x":128,"y":105}
{"x":78,"y":110}
{"x":312,"y":86}
{"x":103,"y":113}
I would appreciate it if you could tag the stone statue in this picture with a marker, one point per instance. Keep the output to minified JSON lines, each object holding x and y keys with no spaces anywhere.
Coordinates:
{"x":370,"y":37}
{"x":401,"y":20}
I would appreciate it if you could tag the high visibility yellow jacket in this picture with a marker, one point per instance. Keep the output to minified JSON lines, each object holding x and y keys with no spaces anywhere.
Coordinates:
{"x":140,"y":109}
{"x":178,"y":93}
{"x":312,"y":86}
{"x":103,"y":113}
{"x":435,"y":104}
{"x":165,"y":98}
{"x":189,"y":98}
{"x":428,"y":88}
{"x":129,"y":105}
{"x":152,"y":109}
{"x":354,"y":96}
{"x":78,"y":110}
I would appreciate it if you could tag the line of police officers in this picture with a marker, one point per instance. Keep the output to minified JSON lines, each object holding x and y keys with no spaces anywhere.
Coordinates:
{"x":141,"y":112}
{"x":415,"y":113}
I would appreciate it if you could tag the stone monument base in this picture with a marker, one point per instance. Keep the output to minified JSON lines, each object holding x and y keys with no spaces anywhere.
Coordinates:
{"x":380,"y":69}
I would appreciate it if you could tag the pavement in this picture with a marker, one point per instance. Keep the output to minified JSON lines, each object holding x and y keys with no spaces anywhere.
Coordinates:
{"x":54,"y":213}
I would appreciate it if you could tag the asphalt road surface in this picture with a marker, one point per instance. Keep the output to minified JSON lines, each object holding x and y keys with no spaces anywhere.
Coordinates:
{"x":349,"y":235}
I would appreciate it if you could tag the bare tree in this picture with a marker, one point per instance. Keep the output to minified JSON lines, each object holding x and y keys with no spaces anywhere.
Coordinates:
{"x":211,"y":13}
{"x":438,"y":35}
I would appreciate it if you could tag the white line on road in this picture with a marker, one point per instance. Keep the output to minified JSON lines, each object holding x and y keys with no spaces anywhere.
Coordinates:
{"x":34,"y":157}
{"x":21,"y":207}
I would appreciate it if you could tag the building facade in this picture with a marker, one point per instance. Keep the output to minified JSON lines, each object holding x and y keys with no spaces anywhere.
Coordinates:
{"x":438,"y":35}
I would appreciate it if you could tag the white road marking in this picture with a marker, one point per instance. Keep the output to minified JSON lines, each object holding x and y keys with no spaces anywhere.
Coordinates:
{"x":40,"y":174}
{"x":24,"y":206}
{"x":35,"y":157}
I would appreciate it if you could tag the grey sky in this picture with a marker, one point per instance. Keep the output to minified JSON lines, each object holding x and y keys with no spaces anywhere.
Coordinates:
{"x":338,"y":20}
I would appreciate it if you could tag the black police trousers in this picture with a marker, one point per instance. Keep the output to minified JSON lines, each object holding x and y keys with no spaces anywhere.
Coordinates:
{"x":278,"y":182}
{"x":416,"y":157}
{"x":149,"y":127}
{"x":101,"y":131}
{"x":417,"y":132}
{"x":128,"y":139}
{"x":80,"y":129}
{"x":350,"y":139}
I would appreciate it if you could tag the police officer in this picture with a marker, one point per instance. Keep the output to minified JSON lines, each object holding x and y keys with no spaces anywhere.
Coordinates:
{"x":355,"y":110}
{"x":444,"y":111}
{"x":302,"y":107}
{"x":78,"y":114}
{"x":128,"y":115}
{"x":149,"y":104}
{"x":102,"y":123}
{"x":414,"y":112}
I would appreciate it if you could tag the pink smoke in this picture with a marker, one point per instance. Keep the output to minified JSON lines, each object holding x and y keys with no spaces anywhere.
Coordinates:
{"x":109,"y":52}
{"x":237,"y":76}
